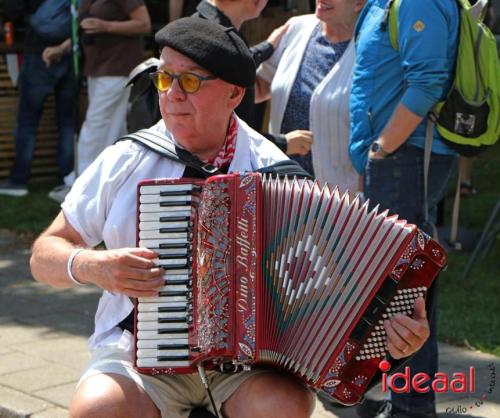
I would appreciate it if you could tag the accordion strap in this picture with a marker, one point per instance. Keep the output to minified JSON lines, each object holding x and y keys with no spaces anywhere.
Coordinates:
{"x":163,"y":146}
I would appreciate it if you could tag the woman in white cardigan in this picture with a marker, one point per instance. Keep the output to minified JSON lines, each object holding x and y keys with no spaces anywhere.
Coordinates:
{"x":308,"y":79}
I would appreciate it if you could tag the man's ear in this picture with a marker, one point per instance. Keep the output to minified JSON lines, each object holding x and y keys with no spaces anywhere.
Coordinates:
{"x":237,"y":94}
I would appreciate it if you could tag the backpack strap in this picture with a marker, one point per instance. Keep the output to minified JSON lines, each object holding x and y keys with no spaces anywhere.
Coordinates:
{"x":393,"y":12}
{"x":163,"y":146}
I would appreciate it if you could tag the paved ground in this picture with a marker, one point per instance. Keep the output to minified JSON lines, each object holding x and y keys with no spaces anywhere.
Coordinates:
{"x":43,"y":336}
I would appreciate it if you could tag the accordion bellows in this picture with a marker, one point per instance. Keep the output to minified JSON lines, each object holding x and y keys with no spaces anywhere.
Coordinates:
{"x":282,"y":272}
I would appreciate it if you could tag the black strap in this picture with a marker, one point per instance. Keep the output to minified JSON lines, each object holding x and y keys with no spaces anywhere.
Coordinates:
{"x":166,"y":148}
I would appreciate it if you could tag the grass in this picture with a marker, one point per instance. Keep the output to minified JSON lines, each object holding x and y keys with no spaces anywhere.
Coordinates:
{"x":469,"y":311}
{"x":29,"y":215}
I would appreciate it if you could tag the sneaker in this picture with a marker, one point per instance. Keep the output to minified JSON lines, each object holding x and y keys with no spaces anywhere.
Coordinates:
{"x":59,"y":193}
{"x":385,"y":409}
{"x":7,"y":188}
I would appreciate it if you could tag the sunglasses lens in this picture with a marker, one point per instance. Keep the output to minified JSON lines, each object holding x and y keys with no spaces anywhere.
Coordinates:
{"x":162,"y":81}
{"x":189,"y":82}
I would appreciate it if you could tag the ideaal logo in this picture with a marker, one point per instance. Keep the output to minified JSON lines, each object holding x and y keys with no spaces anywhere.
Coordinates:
{"x":423,"y":383}
{"x":458,"y":382}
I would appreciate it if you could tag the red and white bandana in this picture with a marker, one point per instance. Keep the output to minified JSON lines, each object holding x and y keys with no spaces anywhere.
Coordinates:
{"x":226,"y":153}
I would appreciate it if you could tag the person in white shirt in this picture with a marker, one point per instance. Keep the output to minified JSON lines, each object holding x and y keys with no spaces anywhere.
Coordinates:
{"x":308,"y":79}
{"x":203,"y":67}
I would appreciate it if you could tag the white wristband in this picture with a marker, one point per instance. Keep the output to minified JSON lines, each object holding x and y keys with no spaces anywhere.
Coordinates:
{"x":69,"y":266}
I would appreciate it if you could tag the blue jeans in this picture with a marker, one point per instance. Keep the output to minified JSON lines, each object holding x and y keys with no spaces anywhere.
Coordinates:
{"x":397,"y":184}
{"x":36,"y":82}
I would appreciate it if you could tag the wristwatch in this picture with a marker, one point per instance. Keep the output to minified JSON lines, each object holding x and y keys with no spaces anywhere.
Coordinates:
{"x":376,"y":148}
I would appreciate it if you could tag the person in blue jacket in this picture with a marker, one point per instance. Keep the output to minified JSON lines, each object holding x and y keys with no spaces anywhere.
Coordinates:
{"x":393,"y":90}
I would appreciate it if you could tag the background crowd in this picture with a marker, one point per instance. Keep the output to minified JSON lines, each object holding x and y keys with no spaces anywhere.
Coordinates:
{"x":344,"y":103}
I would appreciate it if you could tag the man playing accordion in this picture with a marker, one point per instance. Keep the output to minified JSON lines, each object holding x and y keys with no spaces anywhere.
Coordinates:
{"x":204,"y":70}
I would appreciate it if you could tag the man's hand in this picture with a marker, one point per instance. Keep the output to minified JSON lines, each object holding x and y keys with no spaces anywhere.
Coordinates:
{"x":51,"y":54}
{"x":129,"y":271}
{"x":54,"y":53}
{"x":298,"y":142}
{"x":406,"y":335}
{"x":276,"y":35}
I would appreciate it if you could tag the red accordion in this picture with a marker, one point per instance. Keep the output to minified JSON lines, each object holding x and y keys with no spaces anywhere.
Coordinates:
{"x":282,"y":272}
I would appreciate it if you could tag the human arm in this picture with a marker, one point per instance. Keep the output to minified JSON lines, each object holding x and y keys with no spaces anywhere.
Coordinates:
{"x":405,"y":335}
{"x":129,"y":271}
{"x":400,"y":126}
{"x":138,"y":23}
{"x":298,"y":142}
{"x":264,"y":50}
{"x":54,"y":53}
{"x":426,"y":71}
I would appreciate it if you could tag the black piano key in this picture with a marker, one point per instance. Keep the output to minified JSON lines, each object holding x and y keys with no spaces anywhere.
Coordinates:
{"x":174,"y":218}
{"x":166,"y":246}
{"x":172,"y":256}
{"x":172,"y":346}
{"x":182,"y":330}
{"x":172,"y":309}
{"x":174,"y":229}
{"x":182,"y":320}
{"x":173,"y":357}
{"x":179,"y":282}
{"x":387,"y":289}
{"x":175,"y":193}
{"x":174,"y":203}
{"x":174,"y":266}
{"x":173,"y":293}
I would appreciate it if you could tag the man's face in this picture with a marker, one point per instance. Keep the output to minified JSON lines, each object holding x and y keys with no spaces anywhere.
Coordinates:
{"x":196,"y":120}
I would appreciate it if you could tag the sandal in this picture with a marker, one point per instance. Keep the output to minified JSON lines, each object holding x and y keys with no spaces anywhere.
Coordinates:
{"x":467,"y":190}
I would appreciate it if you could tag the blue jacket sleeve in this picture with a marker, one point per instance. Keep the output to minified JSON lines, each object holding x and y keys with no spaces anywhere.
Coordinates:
{"x":427,"y":43}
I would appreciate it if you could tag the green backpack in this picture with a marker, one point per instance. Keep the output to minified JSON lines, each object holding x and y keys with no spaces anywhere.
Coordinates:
{"x":469,"y":117}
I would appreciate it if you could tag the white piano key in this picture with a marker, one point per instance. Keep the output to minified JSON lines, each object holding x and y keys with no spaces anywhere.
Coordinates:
{"x":158,"y":188}
{"x":153,"y":325}
{"x":155,"y":216}
{"x":172,"y":251}
{"x":152,"y":362}
{"x":152,"y":226}
{"x":175,"y":287}
{"x":172,"y":273}
{"x":155,"y":207}
{"x":161,"y":299}
{"x":156,"y":198}
{"x":173,"y":276}
{"x":170,"y":261}
{"x":155,"y":316}
{"x":160,"y":235}
{"x":153,"y":353}
{"x":157,"y":343}
{"x":155,"y":335}
{"x":156,"y":243}
{"x":154,"y":307}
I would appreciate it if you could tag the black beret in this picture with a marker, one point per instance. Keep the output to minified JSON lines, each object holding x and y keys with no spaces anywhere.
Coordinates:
{"x":217,"y":49}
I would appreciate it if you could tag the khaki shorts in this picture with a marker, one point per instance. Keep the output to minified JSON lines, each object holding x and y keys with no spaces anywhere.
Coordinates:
{"x":174,"y":396}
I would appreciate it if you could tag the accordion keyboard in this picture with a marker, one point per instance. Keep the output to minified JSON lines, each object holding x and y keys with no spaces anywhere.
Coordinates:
{"x":166,"y":227}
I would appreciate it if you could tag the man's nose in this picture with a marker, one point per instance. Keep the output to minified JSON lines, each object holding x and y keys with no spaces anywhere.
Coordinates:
{"x":175,"y":92}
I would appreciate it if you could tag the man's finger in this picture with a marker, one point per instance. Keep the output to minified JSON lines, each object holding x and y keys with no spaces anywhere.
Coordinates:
{"x":420,"y":312}
{"x":144,"y":252}
{"x":394,"y":338}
